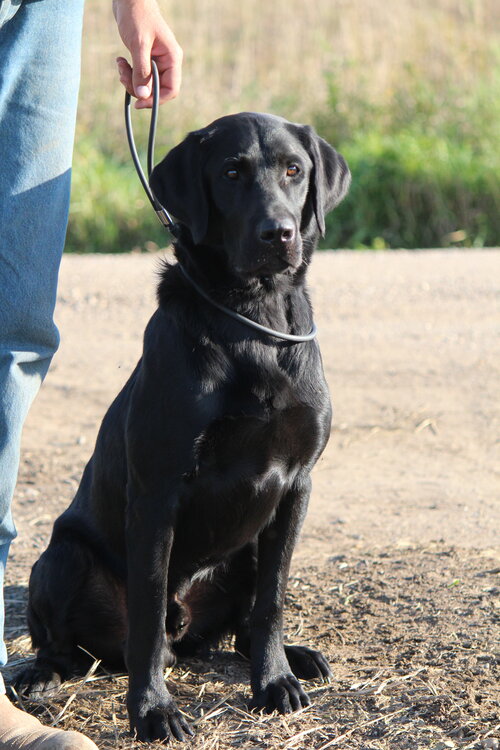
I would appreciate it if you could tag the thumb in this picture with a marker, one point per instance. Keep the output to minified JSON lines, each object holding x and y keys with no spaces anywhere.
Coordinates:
{"x":141,"y":72}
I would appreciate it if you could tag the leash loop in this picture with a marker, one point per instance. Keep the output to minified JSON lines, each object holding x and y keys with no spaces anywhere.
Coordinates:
{"x":160,"y":210}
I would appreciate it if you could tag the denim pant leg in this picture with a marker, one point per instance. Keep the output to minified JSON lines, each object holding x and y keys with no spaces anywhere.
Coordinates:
{"x":39,"y":79}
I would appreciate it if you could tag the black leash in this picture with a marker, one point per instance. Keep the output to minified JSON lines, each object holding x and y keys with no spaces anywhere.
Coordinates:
{"x":169,"y":223}
{"x":160,"y":210}
{"x":242,"y":319}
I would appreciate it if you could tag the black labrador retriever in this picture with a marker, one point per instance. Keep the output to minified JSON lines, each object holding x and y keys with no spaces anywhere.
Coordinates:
{"x":187,"y":514}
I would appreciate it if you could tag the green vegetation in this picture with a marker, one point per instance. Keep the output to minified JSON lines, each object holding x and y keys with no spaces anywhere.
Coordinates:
{"x":109,"y":210}
{"x":426,"y":171}
{"x":409,"y":93}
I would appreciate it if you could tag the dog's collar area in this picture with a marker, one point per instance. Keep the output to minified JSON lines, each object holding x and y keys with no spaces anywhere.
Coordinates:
{"x":290,"y":337}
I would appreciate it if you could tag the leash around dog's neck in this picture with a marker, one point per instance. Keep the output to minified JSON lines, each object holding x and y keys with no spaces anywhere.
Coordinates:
{"x":169,"y":224}
{"x":247,"y":321}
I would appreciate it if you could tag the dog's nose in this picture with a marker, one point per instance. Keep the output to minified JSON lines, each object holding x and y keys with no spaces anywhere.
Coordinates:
{"x":277,"y":232}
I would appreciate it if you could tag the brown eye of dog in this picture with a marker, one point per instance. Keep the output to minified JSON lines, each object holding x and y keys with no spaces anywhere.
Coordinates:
{"x":231,"y":173}
{"x":292,"y":170}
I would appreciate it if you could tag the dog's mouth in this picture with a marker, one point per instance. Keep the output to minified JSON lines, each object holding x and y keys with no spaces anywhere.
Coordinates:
{"x":286,"y":260}
{"x":269,"y":268}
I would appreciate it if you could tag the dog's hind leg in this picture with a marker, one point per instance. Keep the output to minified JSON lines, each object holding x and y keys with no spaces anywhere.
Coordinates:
{"x":76,"y":611}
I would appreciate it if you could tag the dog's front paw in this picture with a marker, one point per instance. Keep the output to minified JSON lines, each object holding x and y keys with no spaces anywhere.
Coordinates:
{"x":157,"y":720}
{"x":307,"y":664}
{"x":37,"y":682}
{"x":284,"y":694}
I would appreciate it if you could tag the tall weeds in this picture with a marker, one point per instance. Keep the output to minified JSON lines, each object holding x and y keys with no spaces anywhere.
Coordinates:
{"x":408,"y":90}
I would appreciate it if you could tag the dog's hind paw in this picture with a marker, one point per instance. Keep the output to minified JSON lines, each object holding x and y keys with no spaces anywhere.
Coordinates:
{"x":307,"y":664}
{"x":37,"y":681}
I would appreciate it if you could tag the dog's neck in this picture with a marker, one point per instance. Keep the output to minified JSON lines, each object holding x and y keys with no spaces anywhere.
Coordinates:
{"x":279,"y":302}
{"x":208,"y":266}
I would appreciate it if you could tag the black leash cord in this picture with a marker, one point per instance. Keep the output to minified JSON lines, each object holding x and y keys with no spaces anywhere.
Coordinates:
{"x":242,"y":319}
{"x":169,"y":223}
{"x":160,"y":210}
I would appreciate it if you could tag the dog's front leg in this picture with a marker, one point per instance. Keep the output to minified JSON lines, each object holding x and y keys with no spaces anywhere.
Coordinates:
{"x":274,"y":686}
{"x":150,"y":531}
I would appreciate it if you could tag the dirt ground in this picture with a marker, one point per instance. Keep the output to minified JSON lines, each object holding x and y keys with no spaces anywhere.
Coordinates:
{"x":397,"y":575}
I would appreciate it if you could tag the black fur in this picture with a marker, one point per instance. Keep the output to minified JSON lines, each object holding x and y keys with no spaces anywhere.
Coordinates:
{"x":184,"y":523}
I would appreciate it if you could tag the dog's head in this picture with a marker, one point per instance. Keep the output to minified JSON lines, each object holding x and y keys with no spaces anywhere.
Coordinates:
{"x":255,"y":186}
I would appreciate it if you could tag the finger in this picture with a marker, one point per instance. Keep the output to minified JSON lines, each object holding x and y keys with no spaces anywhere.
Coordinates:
{"x":144,"y":103}
{"x":141,"y":70}
{"x":169,"y":74}
{"x":168,"y":59}
{"x":125,"y":74}
{"x":170,"y":82}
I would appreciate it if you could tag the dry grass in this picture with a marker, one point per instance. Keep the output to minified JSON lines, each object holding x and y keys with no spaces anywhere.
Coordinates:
{"x":425,"y":74}
{"x":285,"y":55}
{"x":411,"y":637}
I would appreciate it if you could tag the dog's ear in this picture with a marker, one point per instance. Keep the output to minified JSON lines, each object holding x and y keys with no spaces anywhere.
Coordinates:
{"x":330,"y":177}
{"x":177,"y":181}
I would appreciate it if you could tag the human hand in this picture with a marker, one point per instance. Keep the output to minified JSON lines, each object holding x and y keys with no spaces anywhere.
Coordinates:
{"x":146,"y":34}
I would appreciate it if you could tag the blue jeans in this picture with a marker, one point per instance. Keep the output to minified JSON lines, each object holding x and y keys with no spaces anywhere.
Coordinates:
{"x":39,"y":79}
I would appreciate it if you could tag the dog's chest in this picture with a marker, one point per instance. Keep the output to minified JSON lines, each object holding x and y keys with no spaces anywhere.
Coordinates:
{"x":245,"y":461}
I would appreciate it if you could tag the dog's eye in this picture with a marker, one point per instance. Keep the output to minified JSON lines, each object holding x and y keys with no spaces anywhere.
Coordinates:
{"x":231,"y":173}
{"x":292,"y":170}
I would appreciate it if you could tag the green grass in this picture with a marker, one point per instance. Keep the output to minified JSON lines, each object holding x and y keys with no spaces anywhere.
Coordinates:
{"x":109,"y":210}
{"x":425,"y":167}
{"x":413,"y":190}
